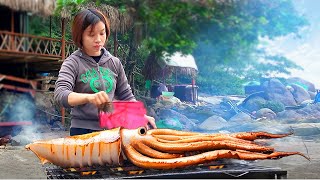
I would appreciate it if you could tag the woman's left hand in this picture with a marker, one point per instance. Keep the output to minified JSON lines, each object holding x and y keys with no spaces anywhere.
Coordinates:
{"x":152,"y":121}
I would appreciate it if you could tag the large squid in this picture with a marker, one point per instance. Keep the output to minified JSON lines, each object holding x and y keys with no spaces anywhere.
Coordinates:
{"x":154,"y":149}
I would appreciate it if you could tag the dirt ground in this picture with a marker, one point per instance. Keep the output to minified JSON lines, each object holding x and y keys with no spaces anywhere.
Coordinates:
{"x":297,"y":166}
{"x":18,"y":163}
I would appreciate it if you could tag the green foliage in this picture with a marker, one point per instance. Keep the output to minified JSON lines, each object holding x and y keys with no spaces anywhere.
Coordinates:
{"x":259,"y":103}
{"x":141,"y":55}
{"x":69,"y":6}
{"x":167,"y":26}
{"x":223,"y":36}
{"x":41,"y":27}
{"x":218,"y":82}
{"x":255,"y":104}
{"x":230,"y":41}
{"x":274,"y":105}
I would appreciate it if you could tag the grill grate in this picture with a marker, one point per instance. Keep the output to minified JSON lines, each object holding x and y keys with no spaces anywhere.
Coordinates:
{"x":221,"y":170}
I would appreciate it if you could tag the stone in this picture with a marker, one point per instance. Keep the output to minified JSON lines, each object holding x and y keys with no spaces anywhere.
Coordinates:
{"x":213,"y":123}
{"x":265,"y":112}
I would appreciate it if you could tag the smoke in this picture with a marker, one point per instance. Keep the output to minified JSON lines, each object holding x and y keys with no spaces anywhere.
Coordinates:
{"x":25,"y":109}
{"x":19,"y":107}
{"x":22,"y":109}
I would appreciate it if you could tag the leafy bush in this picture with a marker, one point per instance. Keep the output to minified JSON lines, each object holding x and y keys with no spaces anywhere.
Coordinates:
{"x":275,"y":106}
{"x":255,"y":104}
{"x":220,"y":83}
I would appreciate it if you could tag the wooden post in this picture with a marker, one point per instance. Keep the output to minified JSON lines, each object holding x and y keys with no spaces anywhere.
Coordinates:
{"x":12,"y":30}
{"x":50,"y":32}
{"x":193,"y":91}
{"x":63,"y":40}
{"x":63,"y":56}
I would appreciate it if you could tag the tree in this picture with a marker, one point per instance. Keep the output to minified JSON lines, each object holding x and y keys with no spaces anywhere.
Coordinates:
{"x":230,"y":42}
{"x":222,"y":35}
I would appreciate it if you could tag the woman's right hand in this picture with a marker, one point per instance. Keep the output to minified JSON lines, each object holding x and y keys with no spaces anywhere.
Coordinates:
{"x":101,"y":100}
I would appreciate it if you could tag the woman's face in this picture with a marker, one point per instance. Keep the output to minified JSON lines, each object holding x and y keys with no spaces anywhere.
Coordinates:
{"x":93,"y":39}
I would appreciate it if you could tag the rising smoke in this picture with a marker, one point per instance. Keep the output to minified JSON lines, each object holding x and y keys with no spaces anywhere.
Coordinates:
{"x":18,"y":107}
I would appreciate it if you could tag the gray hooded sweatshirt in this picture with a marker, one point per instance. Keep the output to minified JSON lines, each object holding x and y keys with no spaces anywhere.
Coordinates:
{"x":82,"y":74}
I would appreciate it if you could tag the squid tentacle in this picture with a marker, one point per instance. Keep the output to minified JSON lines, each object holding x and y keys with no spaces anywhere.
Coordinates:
{"x":203,"y":145}
{"x":199,"y":138}
{"x":147,"y":162}
{"x":170,"y":137}
{"x":171,"y":132}
{"x":243,"y":135}
{"x":146,"y":150}
{"x":258,"y":135}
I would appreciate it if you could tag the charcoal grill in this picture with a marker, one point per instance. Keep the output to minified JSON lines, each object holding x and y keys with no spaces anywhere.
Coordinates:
{"x":219,"y":170}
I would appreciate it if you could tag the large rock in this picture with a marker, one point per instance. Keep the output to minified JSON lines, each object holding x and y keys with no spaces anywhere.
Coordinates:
{"x":290,"y":116}
{"x":253,"y":103}
{"x":312,"y":94}
{"x":240,"y":118}
{"x":275,"y":90}
{"x":297,"y":80}
{"x":266,"y":113}
{"x":309,"y":113}
{"x":299,"y":93}
{"x":213,"y":123}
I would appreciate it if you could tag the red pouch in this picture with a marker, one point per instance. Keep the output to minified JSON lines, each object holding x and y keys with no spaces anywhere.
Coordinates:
{"x":126,"y":114}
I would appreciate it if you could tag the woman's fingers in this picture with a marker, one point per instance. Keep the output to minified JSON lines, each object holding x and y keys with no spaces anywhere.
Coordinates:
{"x":101,"y":100}
{"x":105,"y":101}
{"x":152,"y":121}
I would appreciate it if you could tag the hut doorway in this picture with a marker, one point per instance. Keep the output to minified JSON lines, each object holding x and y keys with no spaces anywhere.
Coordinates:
{"x":12,"y":21}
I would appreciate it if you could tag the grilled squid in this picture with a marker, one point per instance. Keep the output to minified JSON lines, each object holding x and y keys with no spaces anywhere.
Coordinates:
{"x":155,"y":149}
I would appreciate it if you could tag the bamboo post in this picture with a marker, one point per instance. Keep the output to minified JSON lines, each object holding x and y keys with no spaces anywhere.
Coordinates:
{"x":63,"y":40}
{"x":12,"y":30}
{"x":63,"y":56}
{"x":193,"y":91}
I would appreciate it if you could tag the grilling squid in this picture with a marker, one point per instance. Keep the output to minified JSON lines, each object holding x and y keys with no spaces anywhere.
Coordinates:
{"x":154,"y":149}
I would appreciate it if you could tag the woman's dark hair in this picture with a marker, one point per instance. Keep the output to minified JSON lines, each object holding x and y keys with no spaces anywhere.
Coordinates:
{"x":85,"y":18}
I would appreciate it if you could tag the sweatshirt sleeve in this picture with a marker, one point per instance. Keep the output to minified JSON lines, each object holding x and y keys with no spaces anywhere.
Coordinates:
{"x":123,"y":90}
{"x":65,"y":82}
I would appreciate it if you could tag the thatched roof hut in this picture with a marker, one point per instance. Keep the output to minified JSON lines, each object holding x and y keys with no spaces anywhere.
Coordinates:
{"x":40,"y":7}
{"x":180,"y":63}
{"x":119,"y":21}
{"x":164,"y":67}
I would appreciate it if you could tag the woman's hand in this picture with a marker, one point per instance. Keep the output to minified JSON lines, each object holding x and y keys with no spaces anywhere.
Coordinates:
{"x":152,"y":121}
{"x":101,"y":100}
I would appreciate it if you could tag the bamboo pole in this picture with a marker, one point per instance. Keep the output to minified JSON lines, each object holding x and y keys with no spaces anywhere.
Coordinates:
{"x":12,"y":30}
{"x":63,"y":56}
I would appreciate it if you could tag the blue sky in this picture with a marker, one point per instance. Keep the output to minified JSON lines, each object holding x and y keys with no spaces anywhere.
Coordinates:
{"x":305,"y":51}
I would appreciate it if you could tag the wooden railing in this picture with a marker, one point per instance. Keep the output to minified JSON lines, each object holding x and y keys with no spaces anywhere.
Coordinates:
{"x":32,"y":83}
{"x":33,"y":45}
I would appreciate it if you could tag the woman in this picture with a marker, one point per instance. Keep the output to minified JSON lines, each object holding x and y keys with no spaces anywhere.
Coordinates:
{"x":90,"y":78}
